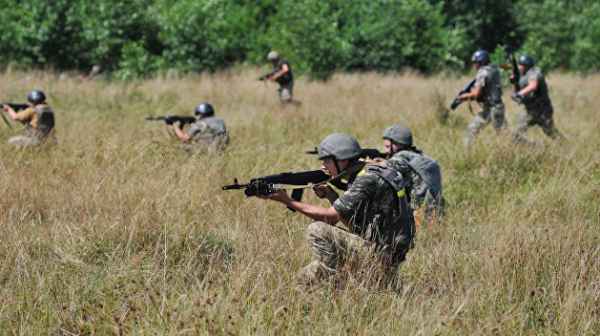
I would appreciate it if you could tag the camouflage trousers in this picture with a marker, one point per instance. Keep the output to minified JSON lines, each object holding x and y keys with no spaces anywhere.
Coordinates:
{"x":489,"y":113}
{"x":334,"y":249}
{"x":286,"y":93}
{"x":542,"y":117}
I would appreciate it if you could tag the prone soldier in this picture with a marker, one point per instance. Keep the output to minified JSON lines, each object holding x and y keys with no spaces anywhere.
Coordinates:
{"x":533,"y":94}
{"x":423,"y":172}
{"x":374,"y":209}
{"x":38,"y":118}
{"x":487,"y":91}
{"x":205,"y":131}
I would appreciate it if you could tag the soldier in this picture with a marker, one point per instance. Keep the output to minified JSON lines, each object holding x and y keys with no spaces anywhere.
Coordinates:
{"x":533,"y":94}
{"x":207,"y":131}
{"x":38,"y":119}
{"x":374,"y":209}
{"x":282,"y":74}
{"x":487,"y":91}
{"x":424,"y":173}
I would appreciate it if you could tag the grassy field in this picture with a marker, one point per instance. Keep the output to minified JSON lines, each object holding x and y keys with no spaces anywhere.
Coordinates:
{"x":117,"y":231}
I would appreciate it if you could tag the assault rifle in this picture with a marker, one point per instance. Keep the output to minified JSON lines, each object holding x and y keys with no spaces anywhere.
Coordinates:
{"x":170,"y":120}
{"x":267,"y":185}
{"x":457,"y":101}
{"x":266,"y":76}
{"x":16,"y":107}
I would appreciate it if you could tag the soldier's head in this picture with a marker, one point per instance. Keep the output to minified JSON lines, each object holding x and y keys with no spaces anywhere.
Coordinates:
{"x":337,"y":152}
{"x":273,"y":56}
{"x":204,"y":110}
{"x":480,"y":58}
{"x":36,"y":97}
{"x":525,"y":62}
{"x":397,"y":138}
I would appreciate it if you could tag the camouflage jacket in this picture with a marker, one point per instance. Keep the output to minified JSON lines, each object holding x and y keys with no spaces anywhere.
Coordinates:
{"x":376,"y":211}
{"x":538,"y":98}
{"x":208,"y":130}
{"x":488,"y":79}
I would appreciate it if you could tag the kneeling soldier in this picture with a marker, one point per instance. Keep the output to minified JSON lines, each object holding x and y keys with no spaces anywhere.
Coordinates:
{"x":374,"y":209}
{"x":38,"y":119}
{"x":423,"y":172}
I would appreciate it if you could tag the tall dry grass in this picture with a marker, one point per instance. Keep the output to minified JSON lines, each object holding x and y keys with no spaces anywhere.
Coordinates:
{"x":116,"y":231}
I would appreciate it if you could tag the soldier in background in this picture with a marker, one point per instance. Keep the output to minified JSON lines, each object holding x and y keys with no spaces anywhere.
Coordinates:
{"x":207,"y":132}
{"x":487,"y":91}
{"x":424,"y":173}
{"x":38,"y":119}
{"x":533,"y":94}
{"x":282,"y":74}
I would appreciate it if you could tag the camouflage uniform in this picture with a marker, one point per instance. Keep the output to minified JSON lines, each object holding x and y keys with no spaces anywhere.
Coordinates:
{"x":425,"y":176}
{"x":209,"y":133}
{"x":488,"y":79}
{"x":286,"y":82}
{"x":538,"y":108}
{"x":39,"y":121}
{"x":381,"y":227}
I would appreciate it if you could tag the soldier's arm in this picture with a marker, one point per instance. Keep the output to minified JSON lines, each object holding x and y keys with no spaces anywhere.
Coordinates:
{"x":315,"y":212}
{"x":180,"y":133}
{"x":531,"y":87}
{"x":284,"y":69}
{"x":22,"y":116}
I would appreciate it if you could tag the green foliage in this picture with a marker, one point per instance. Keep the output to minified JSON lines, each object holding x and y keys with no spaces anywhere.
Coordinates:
{"x":318,"y":37}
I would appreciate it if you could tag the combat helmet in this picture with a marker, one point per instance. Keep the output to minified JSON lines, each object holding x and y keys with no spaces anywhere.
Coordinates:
{"x":36,"y":97}
{"x":204,"y":110}
{"x":481,"y":56}
{"x":273,"y":56}
{"x":339,"y":146}
{"x":526,"y":60}
{"x":398,"y":134}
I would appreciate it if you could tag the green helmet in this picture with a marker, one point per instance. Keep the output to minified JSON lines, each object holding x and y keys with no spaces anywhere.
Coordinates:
{"x":398,"y":134}
{"x":339,"y":146}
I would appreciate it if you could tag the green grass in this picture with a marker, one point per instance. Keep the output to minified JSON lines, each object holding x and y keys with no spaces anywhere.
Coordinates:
{"x":117,"y":231}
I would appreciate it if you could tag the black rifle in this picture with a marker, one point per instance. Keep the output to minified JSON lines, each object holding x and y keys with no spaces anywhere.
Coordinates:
{"x":170,"y":120}
{"x":265,"y":77}
{"x":15,"y":107}
{"x":267,"y":185}
{"x":516,"y":78}
{"x":457,"y":101}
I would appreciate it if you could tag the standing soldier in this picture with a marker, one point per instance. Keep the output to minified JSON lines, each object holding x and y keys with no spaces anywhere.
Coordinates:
{"x":533,"y":93}
{"x":374,"y":209}
{"x":282,"y":74}
{"x":207,"y":131}
{"x":487,"y":91}
{"x":38,"y":118}
{"x":424,"y":173}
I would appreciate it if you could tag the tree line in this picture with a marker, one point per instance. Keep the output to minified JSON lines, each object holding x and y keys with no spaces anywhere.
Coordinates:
{"x":136,"y":38}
